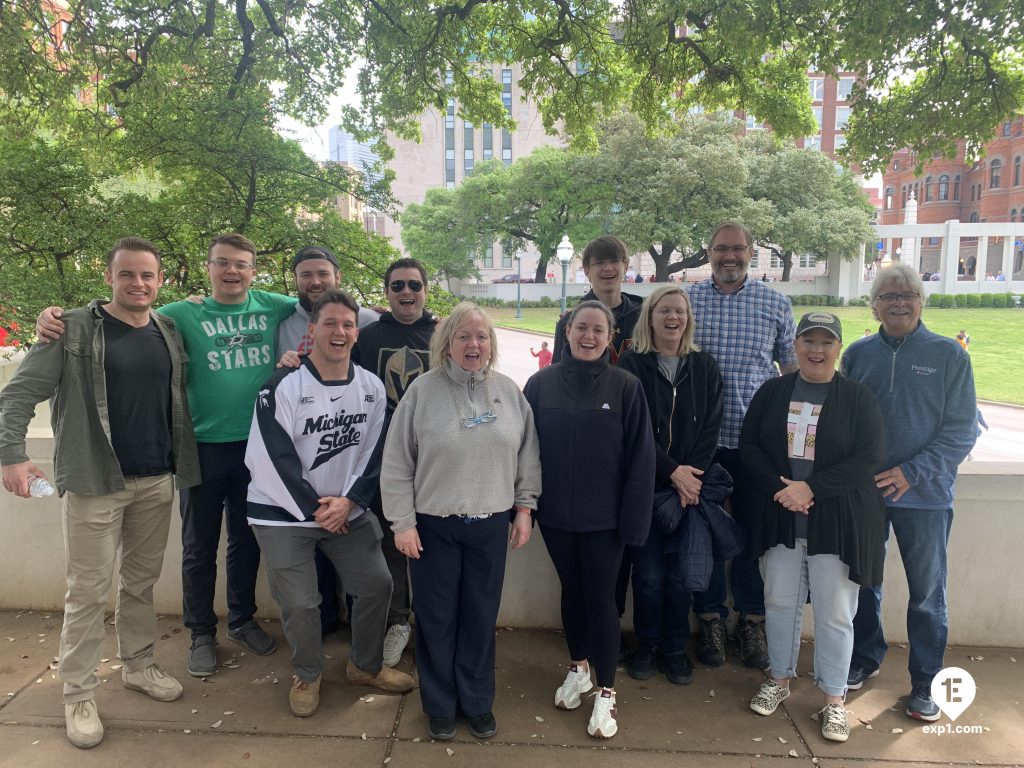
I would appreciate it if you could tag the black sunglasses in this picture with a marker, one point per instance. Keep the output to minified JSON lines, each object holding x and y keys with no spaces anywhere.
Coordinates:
{"x":399,"y":285}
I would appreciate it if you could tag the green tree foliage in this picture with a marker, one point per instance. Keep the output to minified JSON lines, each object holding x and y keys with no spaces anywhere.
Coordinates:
{"x":532,"y":202}
{"x":662,"y":194}
{"x":928,"y":74}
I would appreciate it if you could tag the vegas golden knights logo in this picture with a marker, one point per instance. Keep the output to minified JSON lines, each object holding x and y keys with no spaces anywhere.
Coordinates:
{"x":399,"y":369}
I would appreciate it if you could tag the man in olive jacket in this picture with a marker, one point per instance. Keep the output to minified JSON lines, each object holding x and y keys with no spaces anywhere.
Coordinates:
{"x":122,"y":430}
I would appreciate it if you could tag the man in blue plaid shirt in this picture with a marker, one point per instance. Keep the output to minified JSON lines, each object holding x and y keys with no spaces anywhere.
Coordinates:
{"x":748,"y":328}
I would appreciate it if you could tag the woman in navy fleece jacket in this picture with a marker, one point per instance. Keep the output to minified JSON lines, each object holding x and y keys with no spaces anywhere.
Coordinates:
{"x":597,"y":460}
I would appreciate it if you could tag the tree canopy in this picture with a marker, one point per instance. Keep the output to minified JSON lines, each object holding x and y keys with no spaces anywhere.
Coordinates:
{"x":928,"y":75}
{"x":660,"y":194}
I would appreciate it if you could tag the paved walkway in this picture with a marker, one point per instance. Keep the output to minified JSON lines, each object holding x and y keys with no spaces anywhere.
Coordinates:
{"x":240,"y":717}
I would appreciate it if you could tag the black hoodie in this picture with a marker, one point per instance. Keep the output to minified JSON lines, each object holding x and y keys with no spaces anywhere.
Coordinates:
{"x":396,"y":353}
{"x":686,"y":413}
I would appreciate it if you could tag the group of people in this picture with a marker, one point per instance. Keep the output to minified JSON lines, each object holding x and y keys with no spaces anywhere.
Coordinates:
{"x":668,"y":436}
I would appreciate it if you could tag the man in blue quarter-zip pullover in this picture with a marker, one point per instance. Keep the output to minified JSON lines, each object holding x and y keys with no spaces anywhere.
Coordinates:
{"x":925,"y":387}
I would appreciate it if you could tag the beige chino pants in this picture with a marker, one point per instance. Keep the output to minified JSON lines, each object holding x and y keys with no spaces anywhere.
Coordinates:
{"x":132,"y":524}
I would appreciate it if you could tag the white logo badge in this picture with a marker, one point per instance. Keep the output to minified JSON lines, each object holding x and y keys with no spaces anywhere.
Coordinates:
{"x":953,"y":689}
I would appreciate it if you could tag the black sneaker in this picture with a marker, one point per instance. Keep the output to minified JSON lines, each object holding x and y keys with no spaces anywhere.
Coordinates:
{"x":640,"y":664}
{"x":753,"y":643}
{"x":441,"y":728}
{"x":858,"y":674}
{"x":678,"y":669}
{"x":712,"y":642}
{"x":482,"y":726}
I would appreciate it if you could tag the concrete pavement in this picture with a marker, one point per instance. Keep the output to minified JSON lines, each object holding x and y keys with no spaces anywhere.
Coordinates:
{"x":240,"y":715}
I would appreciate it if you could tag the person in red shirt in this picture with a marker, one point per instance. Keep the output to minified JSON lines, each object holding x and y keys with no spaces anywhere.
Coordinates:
{"x":543,"y":357}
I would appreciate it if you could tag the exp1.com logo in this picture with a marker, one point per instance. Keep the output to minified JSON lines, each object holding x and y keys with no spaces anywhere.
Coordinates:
{"x":953,"y":690}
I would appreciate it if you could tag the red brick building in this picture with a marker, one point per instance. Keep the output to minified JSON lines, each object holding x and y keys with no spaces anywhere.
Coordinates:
{"x":991,"y":189}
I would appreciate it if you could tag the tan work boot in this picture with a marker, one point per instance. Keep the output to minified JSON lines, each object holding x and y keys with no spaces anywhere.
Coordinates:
{"x":389,"y":680}
{"x":304,"y":698}
{"x":84,"y":727}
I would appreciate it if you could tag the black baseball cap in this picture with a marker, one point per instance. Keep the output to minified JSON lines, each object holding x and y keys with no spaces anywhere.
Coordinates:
{"x":314,"y":252}
{"x":824,"y":320}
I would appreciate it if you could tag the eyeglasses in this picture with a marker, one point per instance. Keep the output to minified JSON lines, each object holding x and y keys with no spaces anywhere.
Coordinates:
{"x":241,"y":266}
{"x":476,"y":421}
{"x":399,"y":285}
{"x":722,"y":250}
{"x":892,"y":298}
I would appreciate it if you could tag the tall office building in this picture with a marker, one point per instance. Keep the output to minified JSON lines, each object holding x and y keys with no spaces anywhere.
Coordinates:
{"x":342,"y":147}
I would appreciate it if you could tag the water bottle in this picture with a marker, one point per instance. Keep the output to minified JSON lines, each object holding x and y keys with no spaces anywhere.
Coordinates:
{"x":39,"y":487}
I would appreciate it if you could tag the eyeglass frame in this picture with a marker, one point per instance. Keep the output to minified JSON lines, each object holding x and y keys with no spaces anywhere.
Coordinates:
{"x":475,"y":421}
{"x":222,"y":263}
{"x":894,"y":298}
{"x":724,"y":250}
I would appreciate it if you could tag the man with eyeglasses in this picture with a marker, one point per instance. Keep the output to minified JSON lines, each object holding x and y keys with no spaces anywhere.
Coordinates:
{"x":749,"y":329}
{"x":604,"y":263}
{"x":229,"y":339}
{"x":397,"y":349}
{"x":925,"y":387}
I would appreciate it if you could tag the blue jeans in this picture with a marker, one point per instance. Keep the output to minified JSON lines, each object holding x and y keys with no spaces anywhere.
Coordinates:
{"x":922,"y":535}
{"x":788,"y":576}
{"x":744,"y":573}
{"x":661,"y":605}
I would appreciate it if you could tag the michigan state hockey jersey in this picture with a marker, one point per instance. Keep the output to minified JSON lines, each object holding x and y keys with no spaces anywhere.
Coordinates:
{"x":312,"y":438}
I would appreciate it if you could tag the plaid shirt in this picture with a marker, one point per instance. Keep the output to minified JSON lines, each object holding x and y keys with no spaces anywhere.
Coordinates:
{"x":747,"y":332}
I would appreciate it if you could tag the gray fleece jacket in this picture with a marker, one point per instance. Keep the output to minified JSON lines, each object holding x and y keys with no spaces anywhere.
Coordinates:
{"x":434,"y":465}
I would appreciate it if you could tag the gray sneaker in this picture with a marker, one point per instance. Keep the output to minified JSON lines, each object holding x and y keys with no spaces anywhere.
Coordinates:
{"x":921,"y":706}
{"x":253,"y":638}
{"x":202,"y":656}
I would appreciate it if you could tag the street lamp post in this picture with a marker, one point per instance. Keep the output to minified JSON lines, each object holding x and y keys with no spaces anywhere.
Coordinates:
{"x":519,"y":286}
{"x":564,"y":251}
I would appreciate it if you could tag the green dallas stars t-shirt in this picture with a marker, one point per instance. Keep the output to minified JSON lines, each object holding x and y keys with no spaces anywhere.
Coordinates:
{"x":231,"y":353}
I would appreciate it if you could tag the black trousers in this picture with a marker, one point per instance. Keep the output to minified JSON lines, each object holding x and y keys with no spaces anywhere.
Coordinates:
{"x":457,"y":581}
{"x":588,"y":569}
{"x":219,"y":497}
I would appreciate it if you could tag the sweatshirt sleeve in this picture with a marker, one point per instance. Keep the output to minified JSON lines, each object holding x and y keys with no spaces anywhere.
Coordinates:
{"x":398,"y":468}
{"x":865,"y":419}
{"x":637,"y":500}
{"x":36,"y":380}
{"x":270,"y":452}
{"x":528,"y":471}
{"x":957,"y":433}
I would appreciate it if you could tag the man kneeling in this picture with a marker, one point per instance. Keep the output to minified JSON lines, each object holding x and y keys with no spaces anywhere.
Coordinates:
{"x":314,"y":453}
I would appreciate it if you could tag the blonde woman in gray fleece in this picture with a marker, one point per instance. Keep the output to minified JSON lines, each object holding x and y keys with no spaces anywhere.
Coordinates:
{"x":461,"y":454}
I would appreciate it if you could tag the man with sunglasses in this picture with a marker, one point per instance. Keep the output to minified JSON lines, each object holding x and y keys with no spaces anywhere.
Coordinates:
{"x":749,"y":329}
{"x":397,"y":349}
{"x":925,"y":388}
{"x":229,"y":339}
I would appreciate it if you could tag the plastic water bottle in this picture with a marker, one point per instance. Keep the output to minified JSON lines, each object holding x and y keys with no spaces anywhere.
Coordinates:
{"x":39,"y":487}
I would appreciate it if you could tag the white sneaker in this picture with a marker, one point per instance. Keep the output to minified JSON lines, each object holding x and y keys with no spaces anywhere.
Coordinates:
{"x":603,"y":724}
{"x":394,"y":643}
{"x":83,"y":723}
{"x":834,"y":725}
{"x":769,"y":697}
{"x":577,"y":682}
{"x":153,"y":682}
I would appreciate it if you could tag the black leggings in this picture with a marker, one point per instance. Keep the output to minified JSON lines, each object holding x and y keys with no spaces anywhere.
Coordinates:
{"x":588,"y":567}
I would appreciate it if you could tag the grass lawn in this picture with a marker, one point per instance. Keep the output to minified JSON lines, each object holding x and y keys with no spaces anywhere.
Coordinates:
{"x":997,"y":339}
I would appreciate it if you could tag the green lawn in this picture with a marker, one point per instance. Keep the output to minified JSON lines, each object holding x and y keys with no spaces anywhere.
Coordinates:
{"x":997,"y":339}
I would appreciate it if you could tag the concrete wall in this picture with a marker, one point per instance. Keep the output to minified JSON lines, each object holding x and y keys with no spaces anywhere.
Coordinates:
{"x":986,"y":605}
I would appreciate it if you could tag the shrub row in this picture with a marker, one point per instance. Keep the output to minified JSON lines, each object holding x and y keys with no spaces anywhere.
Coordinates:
{"x":544,"y":302}
{"x":950,"y":300}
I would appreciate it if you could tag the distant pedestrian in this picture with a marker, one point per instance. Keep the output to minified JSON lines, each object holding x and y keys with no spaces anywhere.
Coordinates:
{"x":963,"y":339}
{"x":543,"y":357}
